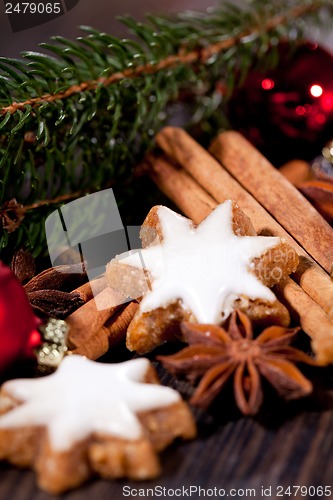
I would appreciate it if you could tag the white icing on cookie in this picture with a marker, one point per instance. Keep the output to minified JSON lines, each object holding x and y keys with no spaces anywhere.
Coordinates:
{"x":83,"y":397}
{"x":207,"y":267}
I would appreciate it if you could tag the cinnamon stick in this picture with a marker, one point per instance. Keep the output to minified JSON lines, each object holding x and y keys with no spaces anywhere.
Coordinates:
{"x":91,"y":288}
{"x":109,"y":334}
{"x":320,"y":194}
{"x":275,"y":193}
{"x":215,"y":180}
{"x":296,"y":171}
{"x":88,"y":319}
{"x":197,"y":204}
{"x":313,"y":320}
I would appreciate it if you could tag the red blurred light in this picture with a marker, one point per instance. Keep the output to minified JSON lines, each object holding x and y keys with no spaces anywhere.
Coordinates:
{"x":300,"y":110}
{"x":321,"y":119}
{"x":34,"y":340}
{"x":327,"y":101}
{"x":267,"y":84}
{"x":316,"y":90}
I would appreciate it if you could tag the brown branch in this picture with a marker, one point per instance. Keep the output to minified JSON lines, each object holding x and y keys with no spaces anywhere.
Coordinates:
{"x":12,"y":213}
{"x":55,"y":201}
{"x":199,"y":55}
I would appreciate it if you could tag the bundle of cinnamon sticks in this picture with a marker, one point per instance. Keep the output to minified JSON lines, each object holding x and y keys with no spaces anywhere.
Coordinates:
{"x":197,"y":180}
{"x":92,"y":329}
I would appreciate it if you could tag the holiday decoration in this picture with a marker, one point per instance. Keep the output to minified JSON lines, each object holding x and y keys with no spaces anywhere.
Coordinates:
{"x":18,"y":325}
{"x":54,"y":344}
{"x":287,"y":112}
{"x":323,"y":164}
{"x":100,"y":100}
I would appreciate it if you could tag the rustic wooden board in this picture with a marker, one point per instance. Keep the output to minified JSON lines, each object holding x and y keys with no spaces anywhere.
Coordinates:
{"x":287,"y":444}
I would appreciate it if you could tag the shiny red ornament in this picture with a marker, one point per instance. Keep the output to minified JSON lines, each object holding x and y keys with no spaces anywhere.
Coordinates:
{"x":287,"y":112}
{"x":18,"y":324}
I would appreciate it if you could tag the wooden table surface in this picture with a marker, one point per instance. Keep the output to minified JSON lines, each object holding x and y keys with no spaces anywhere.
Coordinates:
{"x":287,"y":444}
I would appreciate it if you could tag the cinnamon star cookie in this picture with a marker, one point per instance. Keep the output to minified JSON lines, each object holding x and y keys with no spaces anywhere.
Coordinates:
{"x":89,"y":418}
{"x":200,"y":273}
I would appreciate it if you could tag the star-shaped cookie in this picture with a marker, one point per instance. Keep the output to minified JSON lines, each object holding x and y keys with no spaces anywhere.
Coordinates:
{"x":90,"y":417}
{"x":200,"y":273}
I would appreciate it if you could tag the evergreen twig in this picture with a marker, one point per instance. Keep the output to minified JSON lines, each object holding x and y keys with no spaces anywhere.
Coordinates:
{"x":199,"y":55}
{"x":78,"y":119}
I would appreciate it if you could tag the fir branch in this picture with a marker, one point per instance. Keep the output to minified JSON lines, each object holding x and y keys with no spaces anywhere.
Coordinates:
{"x":79,"y":119}
{"x":201,"y":55}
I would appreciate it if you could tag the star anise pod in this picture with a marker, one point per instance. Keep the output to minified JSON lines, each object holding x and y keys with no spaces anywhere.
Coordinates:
{"x":11,"y":215}
{"x":216,"y":354}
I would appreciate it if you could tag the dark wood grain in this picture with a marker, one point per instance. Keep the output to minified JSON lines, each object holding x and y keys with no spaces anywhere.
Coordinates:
{"x":288,"y":444}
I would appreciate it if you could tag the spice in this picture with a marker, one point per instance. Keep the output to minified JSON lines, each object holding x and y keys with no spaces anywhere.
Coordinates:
{"x":320,"y":193}
{"x":11,"y":215}
{"x":94,"y":342}
{"x":313,"y":299}
{"x":64,"y":278}
{"x":213,"y":178}
{"x":215,"y":355}
{"x":275,"y":193}
{"x":54,"y":303}
{"x":49,"y":292}
{"x":23,"y":266}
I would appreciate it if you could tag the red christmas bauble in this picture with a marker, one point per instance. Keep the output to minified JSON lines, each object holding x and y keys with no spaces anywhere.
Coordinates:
{"x":18,"y":324}
{"x":287,"y":112}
